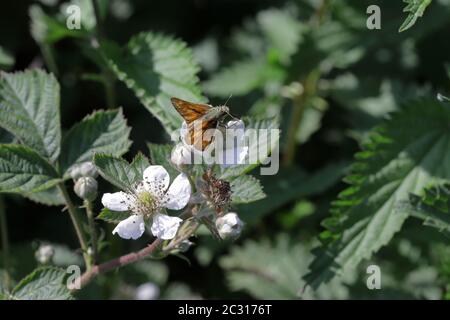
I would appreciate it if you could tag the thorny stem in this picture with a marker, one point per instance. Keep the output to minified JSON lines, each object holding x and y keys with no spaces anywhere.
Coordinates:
{"x":92,"y":231}
{"x":76,"y":221}
{"x":5,"y":243}
{"x":121,"y":261}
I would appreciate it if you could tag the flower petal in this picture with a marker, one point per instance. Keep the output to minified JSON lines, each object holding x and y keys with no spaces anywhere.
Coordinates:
{"x":165,"y":227}
{"x":179,"y":193}
{"x":156,"y":180}
{"x":131,"y":228}
{"x":118,"y":201}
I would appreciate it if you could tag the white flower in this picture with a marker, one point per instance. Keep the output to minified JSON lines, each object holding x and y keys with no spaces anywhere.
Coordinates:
{"x":147,"y":291}
{"x":180,"y":155}
{"x":131,"y":228}
{"x":147,"y":199}
{"x":164,"y":226}
{"x":229,"y":226}
{"x":45,"y":253}
{"x":233,"y":149}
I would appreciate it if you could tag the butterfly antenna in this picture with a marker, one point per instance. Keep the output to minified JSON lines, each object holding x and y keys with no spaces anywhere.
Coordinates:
{"x":228,"y":99}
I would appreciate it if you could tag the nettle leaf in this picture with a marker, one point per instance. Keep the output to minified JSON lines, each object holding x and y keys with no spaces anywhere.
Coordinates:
{"x":282,"y":30}
{"x":23,"y":170}
{"x":49,"y":197}
{"x":246,"y":189}
{"x":415,"y":10}
{"x":241,"y":78}
{"x":402,"y":156}
{"x":42,"y":284}
{"x":112,"y":216}
{"x":118,"y":171}
{"x":156,"y":67}
{"x":29,"y":109}
{"x":433,"y":207}
{"x":100,"y":132}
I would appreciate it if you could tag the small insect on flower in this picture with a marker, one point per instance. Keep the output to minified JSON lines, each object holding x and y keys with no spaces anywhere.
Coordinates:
{"x":147,"y":200}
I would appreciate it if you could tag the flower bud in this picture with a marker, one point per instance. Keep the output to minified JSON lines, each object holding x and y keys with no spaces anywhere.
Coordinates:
{"x":44,"y":254}
{"x":147,"y":291}
{"x":86,"y":188}
{"x":229,"y":226}
{"x":180,"y":156}
{"x":85,"y":169}
{"x":88,"y":169}
{"x":185,"y":245}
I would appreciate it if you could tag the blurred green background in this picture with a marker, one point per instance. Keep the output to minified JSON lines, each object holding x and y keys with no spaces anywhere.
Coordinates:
{"x":261,"y":52}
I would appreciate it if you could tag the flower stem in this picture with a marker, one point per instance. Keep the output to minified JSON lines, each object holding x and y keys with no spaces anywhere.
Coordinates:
{"x":93,"y":232}
{"x":76,"y":221}
{"x":5,"y":244}
{"x":121,"y":261}
{"x":300,"y":103}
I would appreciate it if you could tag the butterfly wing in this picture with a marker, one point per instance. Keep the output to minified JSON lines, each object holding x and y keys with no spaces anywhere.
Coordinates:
{"x":198,"y":136}
{"x":190,"y":111}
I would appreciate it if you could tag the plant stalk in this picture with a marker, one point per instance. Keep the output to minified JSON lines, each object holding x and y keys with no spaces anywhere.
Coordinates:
{"x":77,"y":224}
{"x":93,"y":232}
{"x":5,"y":244}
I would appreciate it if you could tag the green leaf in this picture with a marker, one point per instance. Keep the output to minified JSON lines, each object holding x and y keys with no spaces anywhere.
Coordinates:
{"x":268,"y":270}
{"x":282,"y":30}
{"x":402,"y":156}
{"x":112,"y":216}
{"x":415,"y":10}
{"x":23,"y":170}
{"x":49,"y":197}
{"x":246,"y":189}
{"x":433,"y":207}
{"x":156,"y":68}
{"x":42,"y":284}
{"x":139,"y":164}
{"x":6,"y":59}
{"x":117,"y":171}
{"x":29,"y":109}
{"x":100,"y":132}
{"x":241,"y":78}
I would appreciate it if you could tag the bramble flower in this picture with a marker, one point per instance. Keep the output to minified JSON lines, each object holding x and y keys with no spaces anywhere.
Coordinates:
{"x":44,"y":253}
{"x":229,"y":226}
{"x":147,"y":291}
{"x":233,"y":152}
{"x":180,"y":156}
{"x":148,"y":199}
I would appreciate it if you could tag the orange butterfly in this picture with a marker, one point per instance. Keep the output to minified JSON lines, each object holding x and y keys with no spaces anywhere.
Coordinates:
{"x":199,"y":118}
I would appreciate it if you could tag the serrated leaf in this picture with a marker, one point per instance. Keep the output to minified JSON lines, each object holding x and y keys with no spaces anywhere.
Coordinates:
{"x":117,"y":171}
{"x":156,"y":68}
{"x":100,"y":132}
{"x":246,"y":189}
{"x":433,"y":207}
{"x":24,"y":170}
{"x":241,"y":78}
{"x":282,"y":30}
{"x":29,"y":109}
{"x":112,"y":216}
{"x":49,"y":197}
{"x":415,"y":10}
{"x":42,"y":284}
{"x":401,"y":156}
{"x":139,"y":164}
